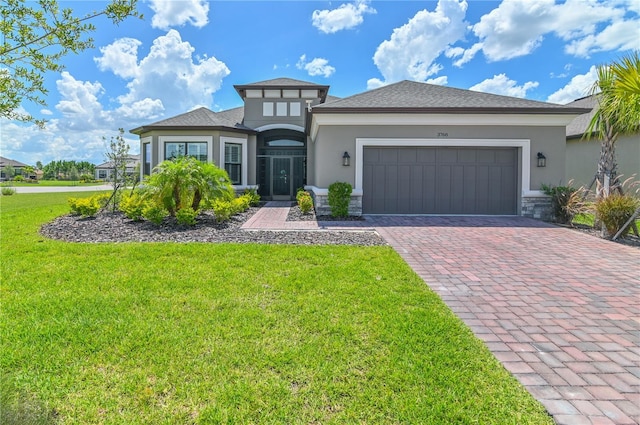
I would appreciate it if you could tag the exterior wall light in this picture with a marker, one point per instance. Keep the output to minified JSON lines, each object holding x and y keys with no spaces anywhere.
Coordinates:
{"x":346,"y":159}
{"x":542,"y":160}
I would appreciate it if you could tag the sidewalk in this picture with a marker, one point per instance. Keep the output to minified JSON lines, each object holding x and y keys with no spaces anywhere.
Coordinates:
{"x":273,"y":216}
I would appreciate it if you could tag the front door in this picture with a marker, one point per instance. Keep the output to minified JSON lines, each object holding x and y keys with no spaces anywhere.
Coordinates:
{"x":281,"y":178}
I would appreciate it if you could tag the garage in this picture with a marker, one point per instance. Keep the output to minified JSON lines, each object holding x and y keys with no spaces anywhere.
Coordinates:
{"x":440,"y":180}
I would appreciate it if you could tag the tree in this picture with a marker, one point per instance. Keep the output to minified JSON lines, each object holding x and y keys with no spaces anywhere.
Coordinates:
{"x":35,"y":39}
{"x":28,"y":171}
{"x":9,"y":171}
{"x":39,"y":165}
{"x":73,"y":174}
{"x":187,"y":182}
{"x":618,"y":113}
{"x":117,"y":155}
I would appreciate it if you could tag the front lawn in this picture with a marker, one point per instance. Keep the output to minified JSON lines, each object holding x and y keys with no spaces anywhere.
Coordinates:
{"x":224,"y":333}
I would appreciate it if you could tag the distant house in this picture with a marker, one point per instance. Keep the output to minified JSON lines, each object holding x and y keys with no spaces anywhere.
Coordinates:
{"x":105,"y":171}
{"x":18,"y":168}
{"x":405,"y":148}
{"x":582,"y":155}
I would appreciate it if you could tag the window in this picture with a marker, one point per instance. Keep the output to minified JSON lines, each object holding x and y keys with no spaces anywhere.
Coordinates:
{"x":281,"y":109}
{"x":267,"y":109}
{"x":233,"y":162}
{"x":294,"y":109}
{"x":198,"y":150}
{"x":102,"y":174}
{"x":146,"y":160}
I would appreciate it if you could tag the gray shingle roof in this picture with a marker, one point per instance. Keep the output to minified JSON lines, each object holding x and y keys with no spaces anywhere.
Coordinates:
{"x":411,"y":96}
{"x":132,"y":161}
{"x":578,"y":126}
{"x":201,"y":118}
{"x":280,"y":83}
{"x":6,"y":161}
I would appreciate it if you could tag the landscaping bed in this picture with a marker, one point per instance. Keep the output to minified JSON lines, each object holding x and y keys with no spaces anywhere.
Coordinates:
{"x":115,"y":227}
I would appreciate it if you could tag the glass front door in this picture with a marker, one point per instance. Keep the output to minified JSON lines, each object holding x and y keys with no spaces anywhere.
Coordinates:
{"x":281,"y":179}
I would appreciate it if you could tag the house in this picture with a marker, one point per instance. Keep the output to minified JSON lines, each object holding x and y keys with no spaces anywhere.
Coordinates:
{"x":18,"y":168}
{"x":583,"y":155}
{"x":105,"y":171}
{"x":406,"y":148}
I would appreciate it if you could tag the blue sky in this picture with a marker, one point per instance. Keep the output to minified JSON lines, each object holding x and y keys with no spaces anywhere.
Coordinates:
{"x":189,"y":53}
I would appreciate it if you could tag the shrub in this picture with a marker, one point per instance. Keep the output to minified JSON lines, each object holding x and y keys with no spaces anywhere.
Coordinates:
{"x":154,"y":213}
{"x":103,"y":198}
{"x":222,"y":210}
{"x":305,"y":202}
{"x":339,"y":197}
{"x":133,"y":206}
{"x":560,"y":199}
{"x":8,"y":191}
{"x":18,"y":178}
{"x":615,"y":210}
{"x":254,"y":198}
{"x":85,"y":207}
{"x":186,"y":216}
{"x":239,"y":204}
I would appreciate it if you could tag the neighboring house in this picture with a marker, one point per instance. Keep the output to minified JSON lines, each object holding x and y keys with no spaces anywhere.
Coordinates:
{"x":17,"y":167}
{"x":583,"y":155}
{"x":406,"y":148}
{"x":105,"y":171}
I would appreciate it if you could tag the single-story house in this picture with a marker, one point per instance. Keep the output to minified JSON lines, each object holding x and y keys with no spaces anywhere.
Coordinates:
{"x":105,"y":171}
{"x":583,"y":155}
{"x":18,"y":168}
{"x":406,"y":148}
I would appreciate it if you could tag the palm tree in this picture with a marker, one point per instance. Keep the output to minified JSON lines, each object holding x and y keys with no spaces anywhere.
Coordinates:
{"x":618,"y":113}
{"x":186,"y":182}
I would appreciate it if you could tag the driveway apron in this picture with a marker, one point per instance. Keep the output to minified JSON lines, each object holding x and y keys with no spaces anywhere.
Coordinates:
{"x":560,"y":309}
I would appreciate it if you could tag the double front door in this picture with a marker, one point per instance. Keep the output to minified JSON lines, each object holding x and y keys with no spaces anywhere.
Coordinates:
{"x":279,"y":177}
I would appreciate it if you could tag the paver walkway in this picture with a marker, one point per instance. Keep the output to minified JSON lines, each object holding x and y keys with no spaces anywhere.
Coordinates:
{"x":559,"y":309}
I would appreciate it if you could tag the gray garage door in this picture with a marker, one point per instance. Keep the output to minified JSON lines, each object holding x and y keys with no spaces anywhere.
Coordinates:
{"x":438,"y":180}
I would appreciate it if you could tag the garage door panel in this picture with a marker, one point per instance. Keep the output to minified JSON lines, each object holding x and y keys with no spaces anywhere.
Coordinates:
{"x":437,"y":180}
{"x":426,"y":156}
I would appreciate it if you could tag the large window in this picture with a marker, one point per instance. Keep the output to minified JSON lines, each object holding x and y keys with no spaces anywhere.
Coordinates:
{"x":198,"y":150}
{"x":146,"y":159}
{"x":233,"y":161}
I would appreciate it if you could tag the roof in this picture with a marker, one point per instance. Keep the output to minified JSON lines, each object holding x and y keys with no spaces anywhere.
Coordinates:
{"x":283,"y":84}
{"x":200,"y":119}
{"x":6,"y":161}
{"x":132,"y":161}
{"x":578,"y":126}
{"x":410,"y":96}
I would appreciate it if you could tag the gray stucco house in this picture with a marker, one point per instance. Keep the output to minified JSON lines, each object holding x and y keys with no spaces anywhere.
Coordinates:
{"x":412,"y":148}
{"x":105,"y":170}
{"x":583,"y":155}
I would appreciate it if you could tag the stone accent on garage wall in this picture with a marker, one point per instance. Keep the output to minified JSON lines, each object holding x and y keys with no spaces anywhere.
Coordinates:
{"x":321,"y":201}
{"x":538,"y":207}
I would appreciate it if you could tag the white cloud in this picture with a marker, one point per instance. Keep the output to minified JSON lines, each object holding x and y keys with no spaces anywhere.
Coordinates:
{"x":617,"y":36}
{"x":439,"y":81}
{"x":374,"y":83}
{"x":168,"y":78}
{"x":518,"y":27}
{"x":79,"y":103}
{"x":503,"y":85}
{"x":412,"y":49}
{"x":316,"y":67}
{"x":578,"y":87}
{"x":468,"y":55}
{"x":170,"y":13}
{"x":120,"y":57}
{"x":347,"y":16}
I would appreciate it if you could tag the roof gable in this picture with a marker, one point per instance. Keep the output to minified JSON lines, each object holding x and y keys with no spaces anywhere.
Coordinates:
{"x":203,"y":118}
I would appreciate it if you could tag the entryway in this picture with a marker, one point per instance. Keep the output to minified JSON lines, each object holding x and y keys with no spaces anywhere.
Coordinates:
{"x":282,"y":164}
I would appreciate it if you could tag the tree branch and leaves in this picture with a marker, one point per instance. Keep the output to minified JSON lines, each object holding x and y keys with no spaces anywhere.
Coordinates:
{"x":35,"y":38}
{"x":617,"y":91}
{"x":118,"y":157}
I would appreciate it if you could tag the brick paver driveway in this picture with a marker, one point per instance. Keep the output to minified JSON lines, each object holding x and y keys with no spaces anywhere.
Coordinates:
{"x":559,"y":308}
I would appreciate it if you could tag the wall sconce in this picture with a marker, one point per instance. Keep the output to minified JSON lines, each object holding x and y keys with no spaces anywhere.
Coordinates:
{"x":542,"y":160}
{"x":346,"y":159}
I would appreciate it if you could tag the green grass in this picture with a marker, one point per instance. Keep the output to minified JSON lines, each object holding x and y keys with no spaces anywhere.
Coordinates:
{"x":227,"y":333}
{"x":58,"y":183}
